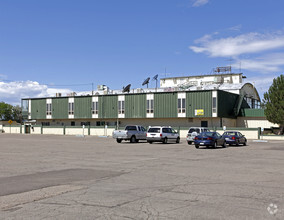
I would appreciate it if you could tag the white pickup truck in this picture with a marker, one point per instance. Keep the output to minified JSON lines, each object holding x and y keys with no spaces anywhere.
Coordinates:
{"x":134,"y":133}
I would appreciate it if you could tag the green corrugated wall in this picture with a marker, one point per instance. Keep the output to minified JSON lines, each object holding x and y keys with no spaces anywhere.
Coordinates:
{"x":60,"y":108}
{"x":165,"y":105}
{"x":108,"y":106}
{"x":135,"y":106}
{"x":199,"y":100}
{"x":38,"y":108}
{"x":83,"y":107}
{"x":248,"y":112}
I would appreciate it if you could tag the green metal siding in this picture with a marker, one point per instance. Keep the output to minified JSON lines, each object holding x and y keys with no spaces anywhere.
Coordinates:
{"x":38,"y":108}
{"x":165,"y":105}
{"x":135,"y":106}
{"x":59,"y":108}
{"x":248,"y":112}
{"x":199,"y":100}
{"x":226,"y":103}
{"x":108,"y":106}
{"x":82,"y":107}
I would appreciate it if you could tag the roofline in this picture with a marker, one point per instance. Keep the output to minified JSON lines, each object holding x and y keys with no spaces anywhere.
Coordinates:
{"x":220,"y":74}
{"x":78,"y":96}
{"x":253,"y":88}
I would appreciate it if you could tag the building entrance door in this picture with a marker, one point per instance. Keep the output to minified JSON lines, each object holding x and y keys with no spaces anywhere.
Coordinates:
{"x":204,"y":124}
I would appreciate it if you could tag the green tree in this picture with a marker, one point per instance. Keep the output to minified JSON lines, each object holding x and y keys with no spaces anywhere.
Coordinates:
{"x":9,"y":112}
{"x":6,"y":111}
{"x":274,"y":102}
{"x":17,"y":114}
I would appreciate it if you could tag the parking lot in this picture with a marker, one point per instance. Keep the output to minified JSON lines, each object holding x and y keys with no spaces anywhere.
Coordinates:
{"x":68,"y":177}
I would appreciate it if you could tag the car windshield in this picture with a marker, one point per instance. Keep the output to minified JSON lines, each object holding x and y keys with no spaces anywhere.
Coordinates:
{"x":207,"y":134}
{"x":154,"y":130}
{"x":130,"y":128}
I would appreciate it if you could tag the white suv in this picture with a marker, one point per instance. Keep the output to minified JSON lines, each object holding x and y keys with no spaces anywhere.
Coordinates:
{"x":162,"y":134}
{"x":193,"y":132}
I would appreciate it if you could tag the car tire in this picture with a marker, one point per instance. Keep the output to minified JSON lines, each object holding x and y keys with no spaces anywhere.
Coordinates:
{"x":178,"y":140}
{"x":196,"y":146}
{"x":150,"y":142}
{"x":118,"y":140}
{"x":245,"y":143}
{"x":225,"y":144}
{"x":133,"y":139}
{"x":215,"y":145}
{"x":237,"y":143}
{"x":165,"y":140}
{"x":189,"y":142}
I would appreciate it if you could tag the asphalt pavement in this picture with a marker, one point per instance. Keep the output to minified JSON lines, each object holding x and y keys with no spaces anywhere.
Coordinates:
{"x":68,"y":177}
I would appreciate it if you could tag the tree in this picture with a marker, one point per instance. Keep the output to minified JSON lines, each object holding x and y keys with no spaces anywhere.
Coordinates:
{"x":17,"y":114}
{"x":9,"y":112}
{"x":6,"y":111}
{"x":274,"y":102}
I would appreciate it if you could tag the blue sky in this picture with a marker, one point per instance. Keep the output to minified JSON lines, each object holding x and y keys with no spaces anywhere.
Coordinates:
{"x":44,"y":44}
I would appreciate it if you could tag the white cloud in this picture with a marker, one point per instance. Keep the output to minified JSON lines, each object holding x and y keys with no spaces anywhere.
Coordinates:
{"x":266,"y":64}
{"x":262,"y":84}
{"x":198,"y":3}
{"x":235,"y":46}
{"x":236,"y":28}
{"x":12,"y":92}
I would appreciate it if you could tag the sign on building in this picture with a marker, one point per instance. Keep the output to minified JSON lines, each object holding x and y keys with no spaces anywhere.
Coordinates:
{"x":199,"y":112}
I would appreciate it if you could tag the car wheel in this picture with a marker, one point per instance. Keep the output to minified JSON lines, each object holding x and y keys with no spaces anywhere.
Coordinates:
{"x":215,"y":145}
{"x":150,"y":142}
{"x":245,"y":143}
{"x":196,"y":146}
{"x":225,"y":144}
{"x":133,"y":139}
{"x":189,"y":142}
{"x":118,"y":140}
{"x":237,"y":143}
{"x":165,"y":140}
{"x":178,"y":140}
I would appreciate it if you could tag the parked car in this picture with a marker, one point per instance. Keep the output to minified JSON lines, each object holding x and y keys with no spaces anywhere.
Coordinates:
{"x":134,"y":133}
{"x":234,"y":137}
{"x":193,"y":132}
{"x":162,"y":134}
{"x":213,"y":139}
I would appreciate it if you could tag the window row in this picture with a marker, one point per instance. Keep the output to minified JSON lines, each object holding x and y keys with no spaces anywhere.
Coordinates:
{"x":181,"y":107}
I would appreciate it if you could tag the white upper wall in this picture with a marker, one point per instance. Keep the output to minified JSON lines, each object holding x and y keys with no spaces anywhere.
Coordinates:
{"x":230,"y":78}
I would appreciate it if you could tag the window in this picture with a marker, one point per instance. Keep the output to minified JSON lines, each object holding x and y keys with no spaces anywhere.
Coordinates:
{"x":214,"y":105}
{"x":150,"y":106}
{"x":71,"y":108}
{"x":100,"y":123}
{"x":154,"y":130}
{"x":45,"y":123}
{"x":72,"y":123}
{"x":95,"y":109}
{"x":48,"y":109}
{"x":181,"y":105}
{"x":120,"y":107}
{"x":130,"y":128}
{"x":85,"y":123}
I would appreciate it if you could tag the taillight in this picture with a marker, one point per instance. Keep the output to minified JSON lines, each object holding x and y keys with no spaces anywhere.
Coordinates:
{"x":233,"y":138}
{"x":209,"y":138}
{"x":146,"y":134}
{"x":161,"y":135}
{"x":196,"y":138}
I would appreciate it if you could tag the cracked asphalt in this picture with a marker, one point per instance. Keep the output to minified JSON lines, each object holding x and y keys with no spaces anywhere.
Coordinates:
{"x":68,"y":177}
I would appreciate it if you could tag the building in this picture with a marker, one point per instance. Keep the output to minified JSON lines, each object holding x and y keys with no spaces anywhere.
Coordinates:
{"x":210,"y":101}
